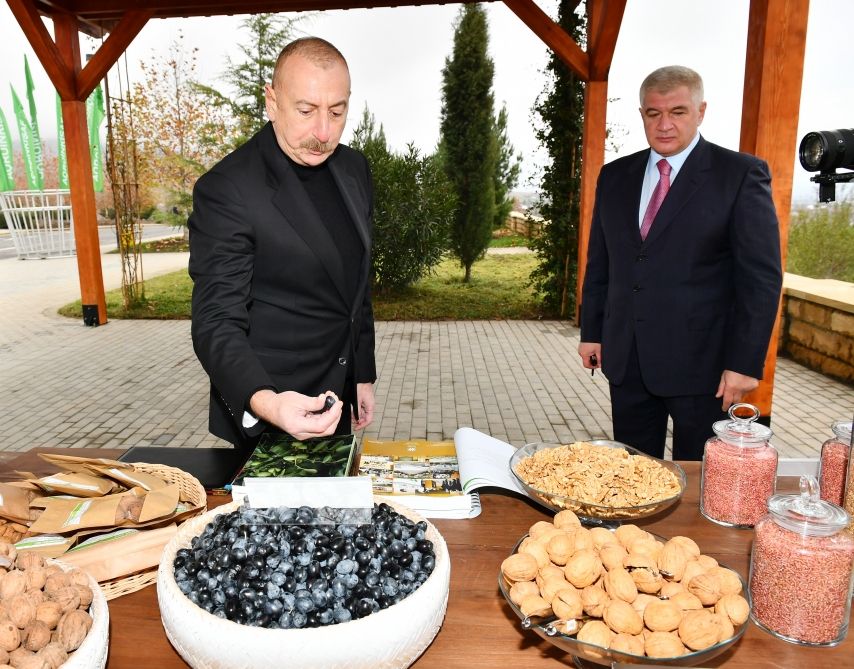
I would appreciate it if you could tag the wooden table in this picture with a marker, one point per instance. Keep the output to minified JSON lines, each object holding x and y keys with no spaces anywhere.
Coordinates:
{"x":480,"y":629}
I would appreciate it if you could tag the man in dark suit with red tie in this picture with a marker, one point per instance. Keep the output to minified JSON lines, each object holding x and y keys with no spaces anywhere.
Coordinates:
{"x":280,"y":256}
{"x":683,"y":274}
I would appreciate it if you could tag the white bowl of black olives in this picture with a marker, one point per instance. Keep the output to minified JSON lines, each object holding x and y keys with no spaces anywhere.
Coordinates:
{"x":255,"y":588}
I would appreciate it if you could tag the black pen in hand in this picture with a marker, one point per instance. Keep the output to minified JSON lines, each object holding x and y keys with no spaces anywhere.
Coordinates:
{"x":327,"y":405}
{"x":593,"y":361}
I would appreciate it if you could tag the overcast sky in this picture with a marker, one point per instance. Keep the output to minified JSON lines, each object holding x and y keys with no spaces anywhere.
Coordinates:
{"x":396,"y":57}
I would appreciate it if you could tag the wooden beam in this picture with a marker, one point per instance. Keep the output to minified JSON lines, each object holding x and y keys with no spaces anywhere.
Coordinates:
{"x":83,"y":207}
{"x":52,"y":61}
{"x":774,"y":67}
{"x":552,"y":34}
{"x":608,"y":17}
{"x":110,"y":51}
{"x":592,"y":159}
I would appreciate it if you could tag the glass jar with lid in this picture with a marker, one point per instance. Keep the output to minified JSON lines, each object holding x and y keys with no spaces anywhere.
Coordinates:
{"x":801,"y":568}
{"x":739,"y":471}
{"x":834,"y":464}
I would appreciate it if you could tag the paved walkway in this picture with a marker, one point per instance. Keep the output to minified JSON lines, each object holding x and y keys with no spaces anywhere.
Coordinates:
{"x":139,"y":383}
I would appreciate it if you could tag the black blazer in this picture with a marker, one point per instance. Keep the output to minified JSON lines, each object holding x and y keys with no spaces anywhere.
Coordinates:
{"x":701,"y":293}
{"x":269,"y":307}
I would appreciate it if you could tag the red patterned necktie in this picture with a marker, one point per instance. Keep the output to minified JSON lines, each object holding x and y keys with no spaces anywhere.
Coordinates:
{"x":657,"y":198}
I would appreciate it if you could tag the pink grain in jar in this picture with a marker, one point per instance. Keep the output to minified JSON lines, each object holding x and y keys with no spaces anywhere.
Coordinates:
{"x":801,"y":569}
{"x":834,"y":465}
{"x":739,"y":471}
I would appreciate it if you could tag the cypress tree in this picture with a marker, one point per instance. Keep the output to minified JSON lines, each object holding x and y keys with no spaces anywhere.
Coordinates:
{"x":468,"y":145}
{"x":561,"y":110}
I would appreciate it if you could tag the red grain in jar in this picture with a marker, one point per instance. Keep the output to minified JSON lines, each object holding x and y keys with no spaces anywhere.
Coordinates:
{"x":739,"y":471}
{"x":834,"y":464}
{"x":801,"y":569}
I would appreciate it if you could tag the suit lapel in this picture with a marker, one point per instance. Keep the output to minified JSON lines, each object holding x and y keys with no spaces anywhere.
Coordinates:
{"x":634,"y":177}
{"x":291,"y":199}
{"x":692,"y":175}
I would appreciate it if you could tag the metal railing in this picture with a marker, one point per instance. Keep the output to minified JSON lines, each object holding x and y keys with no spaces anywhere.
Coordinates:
{"x":40,"y":222}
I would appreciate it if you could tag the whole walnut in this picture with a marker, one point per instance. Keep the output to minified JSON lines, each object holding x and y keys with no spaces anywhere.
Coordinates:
{"x":567,"y":605}
{"x":13,"y":584}
{"x":73,"y":628}
{"x":37,"y":635}
{"x":734,"y":607}
{"x":538,"y":551}
{"x":707,"y":587}
{"x":628,"y":643}
{"x":79,"y":577}
{"x":560,"y":548}
{"x":518,"y":591}
{"x":612,"y":555}
{"x":29,"y":560}
{"x":29,"y":661}
{"x":686,"y":601}
{"x":582,"y":539}
{"x":583,"y":568}
{"x":601,"y":537}
{"x":56,"y":581}
{"x":644,"y":572}
{"x":664,"y":644}
{"x":662,"y":616}
{"x":35,"y":596}
{"x":621,"y":617}
{"x":645,"y":544}
{"x":566,"y":519}
{"x":7,"y":549}
{"x":85,"y":593}
{"x":619,"y":584}
{"x":36,"y":577}
{"x":627,"y":533}
{"x":594,"y":599}
{"x":4,"y":656}
{"x":692,"y":550}
{"x":699,"y":629}
{"x":707,"y":562}
{"x":730,"y":581}
{"x":519,"y":567}
{"x":532,"y":605}
{"x":53,"y":654}
{"x":68,"y":598}
{"x":539,"y":528}
{"x":672,"y":560}
{"x":49,"y":613}
{"x":595,"y":632}
{"x":21,"y":611}
{"x":10,"y":636}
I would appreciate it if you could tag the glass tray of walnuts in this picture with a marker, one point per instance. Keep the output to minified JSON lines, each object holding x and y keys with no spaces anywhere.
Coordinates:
{"x":623,"y":595}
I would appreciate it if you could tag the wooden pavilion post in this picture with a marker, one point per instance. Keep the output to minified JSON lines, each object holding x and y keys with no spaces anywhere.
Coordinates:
{"x":62,"y":63}
{"x":774,"y":67}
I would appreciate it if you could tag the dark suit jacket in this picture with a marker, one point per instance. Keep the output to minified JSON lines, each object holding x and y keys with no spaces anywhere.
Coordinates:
{"x":269,"y":307}
{"x":700,"y":294}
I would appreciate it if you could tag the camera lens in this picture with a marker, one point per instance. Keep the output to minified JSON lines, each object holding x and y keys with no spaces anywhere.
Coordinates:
{"x":827,"y":150}
{"x":811,"y":151}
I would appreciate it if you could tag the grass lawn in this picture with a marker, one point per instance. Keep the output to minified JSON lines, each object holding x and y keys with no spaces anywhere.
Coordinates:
{"x":498,"y":290}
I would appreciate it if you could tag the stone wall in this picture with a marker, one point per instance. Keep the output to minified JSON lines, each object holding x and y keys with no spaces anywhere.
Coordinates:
{"x":817,"y":327}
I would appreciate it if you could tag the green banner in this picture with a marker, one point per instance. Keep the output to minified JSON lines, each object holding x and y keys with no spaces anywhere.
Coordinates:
{"x":34,"y":121}
{"x":25,"y":134}
{"x":7,"y":163}
{"x":61,"y":157}
{"x":94,"y":118}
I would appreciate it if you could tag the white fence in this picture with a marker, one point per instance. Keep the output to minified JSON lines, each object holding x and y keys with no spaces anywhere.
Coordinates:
{"x":40,"y":222}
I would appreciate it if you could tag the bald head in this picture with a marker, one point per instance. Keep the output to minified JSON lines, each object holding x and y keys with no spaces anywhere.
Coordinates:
{"x":315,"y":50}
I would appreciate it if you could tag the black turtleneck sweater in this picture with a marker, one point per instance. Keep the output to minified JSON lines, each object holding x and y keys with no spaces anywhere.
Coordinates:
{"x":326,"y":198}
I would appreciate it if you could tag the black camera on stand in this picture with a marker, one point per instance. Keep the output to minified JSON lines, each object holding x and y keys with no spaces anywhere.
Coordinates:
{"x":825,"y":151}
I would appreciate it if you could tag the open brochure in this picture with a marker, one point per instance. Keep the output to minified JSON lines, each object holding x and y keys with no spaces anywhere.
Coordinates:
{"x":439,"y":479}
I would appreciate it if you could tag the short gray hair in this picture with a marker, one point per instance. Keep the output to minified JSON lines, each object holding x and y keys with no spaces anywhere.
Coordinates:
{"x":314,"y":49}
{"x":665,"y":79}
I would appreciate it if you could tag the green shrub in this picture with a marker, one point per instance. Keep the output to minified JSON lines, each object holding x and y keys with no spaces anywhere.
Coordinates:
{"x":821,"y":242}
{"x":413,"y":207}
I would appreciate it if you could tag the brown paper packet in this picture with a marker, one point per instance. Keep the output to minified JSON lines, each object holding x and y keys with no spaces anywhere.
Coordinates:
{"x":130,"y":477}
{"x":15,"y":503}
{"x":120,"y":553}
{"x":74,"y":463}
{"x":62,"y":516}
{"x":79,"y":484}
{"x":159,"y":503}
{"x":46,"y":545}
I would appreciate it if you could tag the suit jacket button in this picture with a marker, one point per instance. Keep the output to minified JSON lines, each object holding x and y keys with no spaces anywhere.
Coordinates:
{"x":641,"y":257}
{"x":636,"y":288}
{"x":342,"y":361}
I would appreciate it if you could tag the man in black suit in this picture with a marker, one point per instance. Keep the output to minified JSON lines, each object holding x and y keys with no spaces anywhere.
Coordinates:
{"x":280,"y":256}
{"x":683,"y":274}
